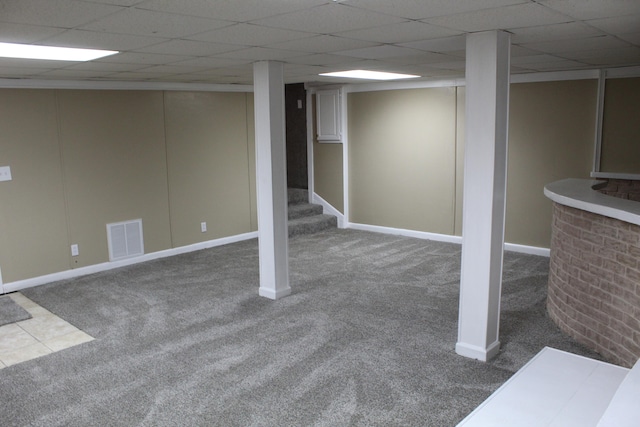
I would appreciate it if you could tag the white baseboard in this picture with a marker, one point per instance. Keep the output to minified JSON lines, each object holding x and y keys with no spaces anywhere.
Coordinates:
{"x":479,"y":353}
{"x":530,"y":250}
{"x":328,"y":208}
{"x":513,"y":247}
{"x":404,"y":232}
{"x":83,"y":271}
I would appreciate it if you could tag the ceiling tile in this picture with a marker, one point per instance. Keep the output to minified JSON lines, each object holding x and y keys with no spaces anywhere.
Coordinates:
{"x":379,"y":52}
{"x":617,"y":25}
{"x":189,"y":47}
{"x":568,"y":30}
{"x":322,"y":43}
{"x":107,"y":67}
{"x":557,"y":65}
{"x":22,"y":33}
{"x":32,"y":63}
{"x":73,"y":74}
{"x":231,"y":10}
{"x":212,"y":62}
{"x":445,"y":44}
{"x":633,"y":38}
{"x":260,"y":54}
{"x":576,"y":45}
{"x":328,"y":19}
{"x":13,"y":72}
{"x":613,"y":57}
{"x":100,"y":40}
{"x":156,"y":24}
{"x":517,"y":51}
{"x":592,"y":9}
{"x":517,"y":16}
{"x":54,"y":13}
{"x":453,"y":65}
{"x":317,"y":59}
{"x":400,"y":32}
{"x":250,"y":35}
{"x":117,"y":2}
{"x":171,"y":69}
{"x":532,"y":59}
{"x":421,"y":9}
{"x":135,"y":76}
{"x":143,"y":58}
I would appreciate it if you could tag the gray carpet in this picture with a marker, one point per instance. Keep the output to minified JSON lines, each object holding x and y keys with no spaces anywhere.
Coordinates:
{"x":11,"y":312}
{"x":366,"y":339}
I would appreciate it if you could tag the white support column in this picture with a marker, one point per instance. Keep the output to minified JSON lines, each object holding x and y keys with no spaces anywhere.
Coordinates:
{"x":485,"y":177}
{"x":271,"y":162}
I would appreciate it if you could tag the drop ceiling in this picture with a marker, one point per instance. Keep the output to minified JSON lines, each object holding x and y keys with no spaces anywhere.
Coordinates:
{"x":216,"y":41}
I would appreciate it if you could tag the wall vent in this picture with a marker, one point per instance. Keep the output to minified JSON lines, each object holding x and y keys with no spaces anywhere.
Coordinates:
{"x":125,"y":239}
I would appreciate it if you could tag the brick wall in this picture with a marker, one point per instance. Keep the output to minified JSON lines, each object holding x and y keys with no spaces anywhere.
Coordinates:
{"x":622,"y":188}
{"x":594,"y":282}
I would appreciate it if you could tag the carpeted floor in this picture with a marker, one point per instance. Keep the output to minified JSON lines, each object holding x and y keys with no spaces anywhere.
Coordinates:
{"x":10,"y":312}
{"x":366,"y":339}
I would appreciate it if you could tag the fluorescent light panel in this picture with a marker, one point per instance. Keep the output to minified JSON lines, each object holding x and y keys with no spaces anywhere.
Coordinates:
{"x":30,"y":51}
{"x":369,"y":75}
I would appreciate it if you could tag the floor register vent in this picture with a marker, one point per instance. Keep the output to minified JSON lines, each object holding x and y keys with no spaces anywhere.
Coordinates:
{"x":125,"y":239}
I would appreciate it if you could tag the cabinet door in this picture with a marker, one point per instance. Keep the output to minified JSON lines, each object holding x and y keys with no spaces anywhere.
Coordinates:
{"x":328,"y":115}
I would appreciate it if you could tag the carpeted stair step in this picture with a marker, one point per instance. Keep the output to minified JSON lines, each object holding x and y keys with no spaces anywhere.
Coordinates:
{"x":305,"y":217}
{"x":311,"y":224}
{"x":297,"y":196}
{"x":301,"y":210}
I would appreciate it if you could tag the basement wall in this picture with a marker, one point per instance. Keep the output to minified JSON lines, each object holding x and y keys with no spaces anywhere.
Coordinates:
{"x":81,"y":159}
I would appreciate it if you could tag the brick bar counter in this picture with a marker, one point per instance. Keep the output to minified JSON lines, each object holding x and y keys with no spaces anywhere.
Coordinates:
{"x":594,"y":275}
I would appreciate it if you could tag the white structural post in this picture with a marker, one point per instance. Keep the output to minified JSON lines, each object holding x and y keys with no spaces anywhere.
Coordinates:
{"x":271,"y":161}
{"x":485,"y":178}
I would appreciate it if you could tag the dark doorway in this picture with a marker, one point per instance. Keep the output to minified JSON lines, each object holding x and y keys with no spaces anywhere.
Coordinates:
{"x":296,"y":127}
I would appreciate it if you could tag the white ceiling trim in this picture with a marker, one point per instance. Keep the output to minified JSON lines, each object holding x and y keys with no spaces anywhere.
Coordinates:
{"x":117,"y":85}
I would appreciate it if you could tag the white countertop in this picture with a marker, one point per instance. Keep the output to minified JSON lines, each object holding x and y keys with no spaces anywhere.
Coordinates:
{"x":579,"y":194}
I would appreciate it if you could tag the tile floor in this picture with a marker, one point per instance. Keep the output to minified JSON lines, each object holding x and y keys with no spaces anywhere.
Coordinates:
{"x":43,"y":334}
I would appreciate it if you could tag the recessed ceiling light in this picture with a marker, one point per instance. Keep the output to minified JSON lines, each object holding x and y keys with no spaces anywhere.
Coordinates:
{"x":369,"y":75}
{"x":30,"y":51}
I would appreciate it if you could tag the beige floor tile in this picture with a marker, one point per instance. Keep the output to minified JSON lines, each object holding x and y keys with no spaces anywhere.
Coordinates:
{"x":25,"y":353}
{"x":38,"y":311}
{"x":43,"y":334}
{"x":23,"y":301}
{"x":68,"y":340}
{"x":47,"y":327}
{"x":13,"y":337}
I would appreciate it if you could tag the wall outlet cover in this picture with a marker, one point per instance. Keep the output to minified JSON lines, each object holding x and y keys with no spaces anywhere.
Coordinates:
{"x":5,"y":173}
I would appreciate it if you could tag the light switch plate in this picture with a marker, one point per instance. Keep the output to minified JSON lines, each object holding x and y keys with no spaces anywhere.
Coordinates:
{"x":5,"y":173}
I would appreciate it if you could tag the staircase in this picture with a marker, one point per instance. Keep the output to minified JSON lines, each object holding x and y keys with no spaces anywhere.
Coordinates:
{"x":304,"y":217}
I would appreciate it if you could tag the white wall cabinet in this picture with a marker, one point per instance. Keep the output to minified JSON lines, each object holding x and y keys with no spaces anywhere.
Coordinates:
{"x":328,"y":115}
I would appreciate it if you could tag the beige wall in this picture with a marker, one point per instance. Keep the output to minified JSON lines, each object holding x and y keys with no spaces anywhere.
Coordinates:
{"x":328,"y":169}
{"x":407,"y":155}
{"x":33,"y":226}
{"x":208,"y":165}
{"x":551,"y":137}
{"x":402,"y":159}
{"x":621,"y":126}
{"x":115,"y":167}
{"x":82,"y":159}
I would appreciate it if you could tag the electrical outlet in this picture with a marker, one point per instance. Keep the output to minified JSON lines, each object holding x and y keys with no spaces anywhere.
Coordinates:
{"x":203,"y":227}
{"x":74,"y":250}
{"x":5,"y":173}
